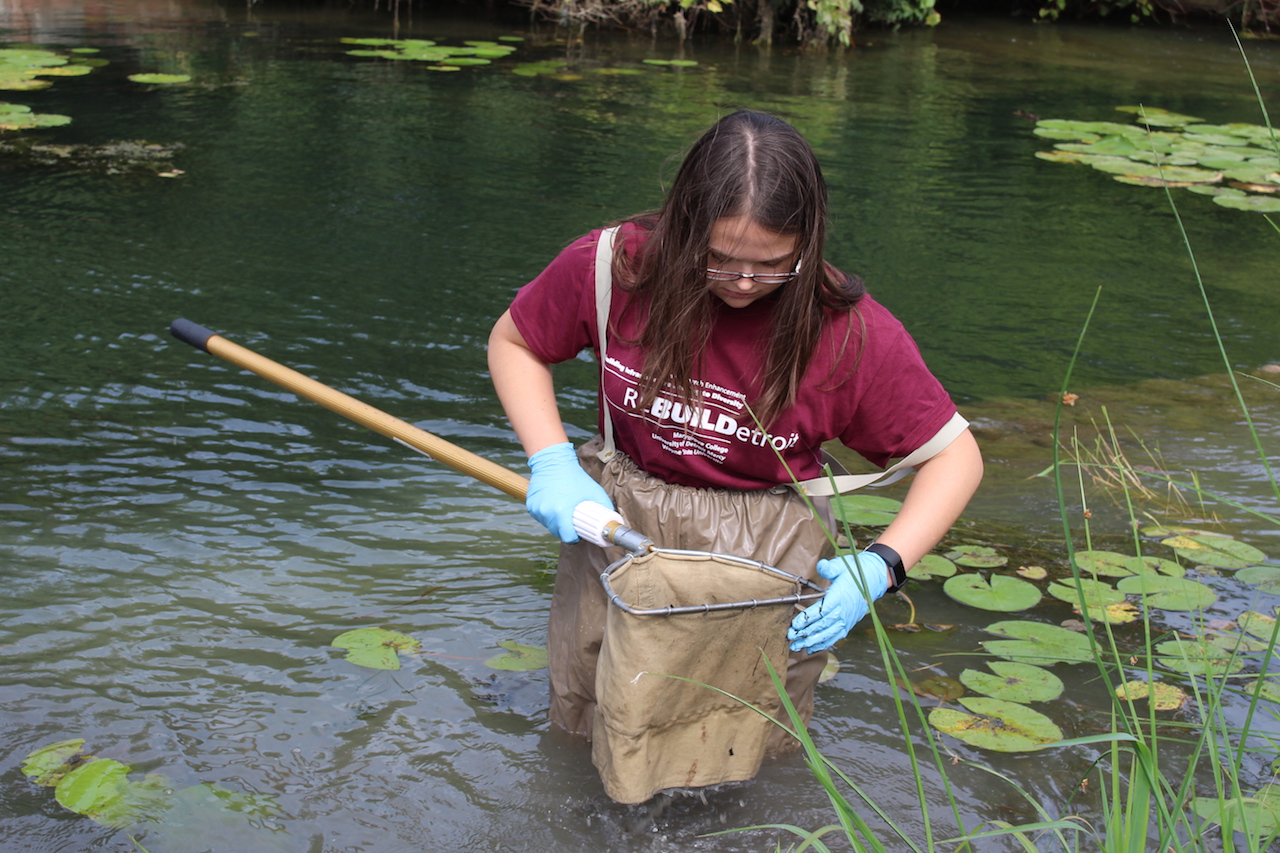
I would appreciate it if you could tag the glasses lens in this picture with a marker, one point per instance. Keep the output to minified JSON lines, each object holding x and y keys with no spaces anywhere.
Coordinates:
{"x":780,"y":278}
{"x":723,"y":275}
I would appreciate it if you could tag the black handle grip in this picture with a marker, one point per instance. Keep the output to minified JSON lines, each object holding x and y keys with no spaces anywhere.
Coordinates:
{"x":191,"y":333}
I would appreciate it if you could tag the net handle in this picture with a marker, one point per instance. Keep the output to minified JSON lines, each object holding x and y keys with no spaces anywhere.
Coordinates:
{"x":741,"y":562}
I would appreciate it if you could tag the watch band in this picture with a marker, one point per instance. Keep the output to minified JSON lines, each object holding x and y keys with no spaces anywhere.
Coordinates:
{"x":894,"y":561}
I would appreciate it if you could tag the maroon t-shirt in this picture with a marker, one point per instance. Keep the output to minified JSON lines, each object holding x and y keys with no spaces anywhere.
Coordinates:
{"x":883,"y":405}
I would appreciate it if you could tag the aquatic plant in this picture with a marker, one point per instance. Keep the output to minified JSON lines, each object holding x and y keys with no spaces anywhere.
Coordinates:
{"x":380,"y":648}
{"x":441,"y":57}
{"x":156,"y":79}
{"x":101,"y":789}
{"x":21,"y":69}
{"x":1236,"y":164}
{"x":1163,"y":782}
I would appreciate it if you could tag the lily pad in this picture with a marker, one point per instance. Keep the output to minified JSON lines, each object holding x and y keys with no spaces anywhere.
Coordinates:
{"x":977,"y":557}
{"x":1210,"y":189}
{"x":1014,"y":682}
{"x":932,"y":566}
{"x":1153,"y":565}
{"x":94,"y":789}
{"x":1050,"y":133}
{"x":940,"y":687}
{"x":376,"y":648}
{"x":1164,"y":697}
{"x":1258,"y":815}
{"x":1235,"y":643}
{"x":678,"y":63}
{"x":865,"y":510}
{"x":996,"y":725}
{"x":1265,"y":578}
{"x":47,"y":765}
{"x":1219,"y":551}
{"x":1038,"y":643}
{"x":160,"y":79}
{"x":1119,"y":613}
{"x":1195,"y":658}
{"x":1096,"y":593}
{"x":1107,"y":564}
{"x":1258,"y":624}
{"x":1253,"y":203}
{"x":1033,"y":573}
{"x":1168,"y":593}
{"x":1001,"y":593}
{"x":518,"y":658}
{"x":1158,"y":117}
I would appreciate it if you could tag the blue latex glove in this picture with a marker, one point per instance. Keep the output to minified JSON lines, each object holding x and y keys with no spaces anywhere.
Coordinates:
{"x":822,"y":624}
{"x":557,"y":484}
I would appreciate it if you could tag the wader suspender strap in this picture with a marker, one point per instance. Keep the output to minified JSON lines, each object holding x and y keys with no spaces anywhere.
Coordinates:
{"x":817,"y":487}
{"x":604,"y":294}
{"x":822,"y":486}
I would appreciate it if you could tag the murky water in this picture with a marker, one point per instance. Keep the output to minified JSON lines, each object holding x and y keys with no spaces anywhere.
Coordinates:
{"x":180,"y":542}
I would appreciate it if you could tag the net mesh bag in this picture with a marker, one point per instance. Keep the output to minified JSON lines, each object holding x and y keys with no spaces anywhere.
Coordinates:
{"x":654,"y":732}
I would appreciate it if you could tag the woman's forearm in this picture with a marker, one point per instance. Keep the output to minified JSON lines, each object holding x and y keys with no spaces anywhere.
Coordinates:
{"x":942,"y":487}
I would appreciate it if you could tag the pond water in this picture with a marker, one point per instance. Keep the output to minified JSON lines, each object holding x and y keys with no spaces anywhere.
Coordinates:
{"x":180,"y":542}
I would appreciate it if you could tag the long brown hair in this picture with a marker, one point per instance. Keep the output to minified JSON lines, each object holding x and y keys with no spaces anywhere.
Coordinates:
{"x":747,"y":164}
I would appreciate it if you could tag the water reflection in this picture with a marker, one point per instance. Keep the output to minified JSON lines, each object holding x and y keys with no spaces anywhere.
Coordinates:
{"x":181,"y":544}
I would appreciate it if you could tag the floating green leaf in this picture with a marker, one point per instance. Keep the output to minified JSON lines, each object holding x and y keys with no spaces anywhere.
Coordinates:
{"x":865,"y":510}
{"x":1119,"y":613}
{"x":1265,"y":578}
{"x":537,"y":69}
{"x":1152,"y":565}
{"x":47,"y":765}
{"x":1014,"y":682}
{"x":1158,"y":117}
{"x":1168,"y":593}
{"x":1253,"y":203}
{"x":1164,"y":697}
{"x":996,"y":725}
{"x":940,"y":687}
{"x":932,"y":566}
{"x":1107,"y":564}
{"x":160,"y":79}
{"x":95,"y":790}
{"x":1096,"y":593}
{"x":1258,"y":624}
{"x":678,"y":63}
{"x":977,"y":557}
{"x":1196,"y":658}
{"x":1038,"y":644}
{"x":376,"y":648}
{"x":1220,"y":551}
{"x":1258,"y":815}
{"x":1000,"y":593}
{"x":518,"y":658}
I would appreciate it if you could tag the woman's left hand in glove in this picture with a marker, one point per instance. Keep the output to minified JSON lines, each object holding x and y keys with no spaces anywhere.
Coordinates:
{"x":822,"y":624}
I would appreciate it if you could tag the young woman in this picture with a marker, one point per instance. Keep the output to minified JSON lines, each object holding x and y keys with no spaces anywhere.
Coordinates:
{"x":733,"y":350}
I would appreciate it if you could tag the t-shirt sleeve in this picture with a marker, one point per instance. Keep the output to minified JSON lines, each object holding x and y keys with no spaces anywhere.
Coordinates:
{"x":899,"y":404}
{"x":555,"y":312}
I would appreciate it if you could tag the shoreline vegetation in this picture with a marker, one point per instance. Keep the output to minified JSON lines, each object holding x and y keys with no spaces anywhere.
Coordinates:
{"x":820,"y":24}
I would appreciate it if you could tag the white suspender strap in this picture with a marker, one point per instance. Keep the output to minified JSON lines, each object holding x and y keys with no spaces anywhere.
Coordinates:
{"x":822,"y":486}
{"x":604,"y":295}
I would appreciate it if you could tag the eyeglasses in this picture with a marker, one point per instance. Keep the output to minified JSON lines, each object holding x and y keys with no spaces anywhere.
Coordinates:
{"x":757,"y":277}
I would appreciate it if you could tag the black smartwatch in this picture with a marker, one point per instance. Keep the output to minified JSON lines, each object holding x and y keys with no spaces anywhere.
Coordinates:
{"x":894,"y":562}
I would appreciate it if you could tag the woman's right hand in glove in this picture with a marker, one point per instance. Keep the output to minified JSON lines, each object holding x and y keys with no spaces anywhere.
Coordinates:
{"x":557,"y":484}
